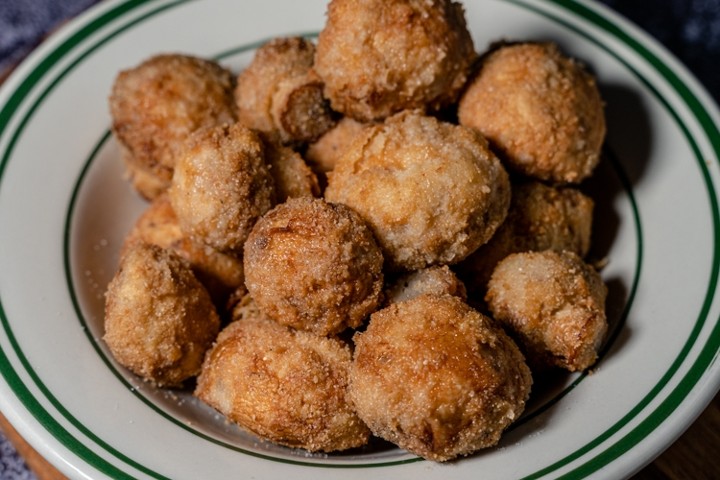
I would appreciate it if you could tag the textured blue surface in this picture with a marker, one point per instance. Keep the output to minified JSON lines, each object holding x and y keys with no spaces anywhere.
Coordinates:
{"x":688,"y":28}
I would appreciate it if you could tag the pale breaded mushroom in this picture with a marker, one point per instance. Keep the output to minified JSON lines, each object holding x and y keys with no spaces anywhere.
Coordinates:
{"x":222,"y":185}
{"x":438,"y":280}
{"x":431,"y":191}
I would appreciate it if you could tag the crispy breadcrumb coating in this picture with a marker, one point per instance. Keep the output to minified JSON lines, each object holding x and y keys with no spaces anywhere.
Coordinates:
{"x":285,"y":385}
{"x":437,"y":378}
{"x":159,"y":319}
{"x":379,"y":57}
{"x":554,"y":304}
{"x":431,"y":191}
{"x":157,"y":104}
{"x":540,"y":109}
{"x":221,"y":186}
{"x":314,"y":266}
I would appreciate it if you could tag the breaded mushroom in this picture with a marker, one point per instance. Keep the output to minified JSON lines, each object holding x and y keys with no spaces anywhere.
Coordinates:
{"x":378,"y":57}
{"x":432,"y":192}
{"x":540,"y":109}
{"x":437,"y":378}
{"x":323,"y":154}
{"x":314,"y":266}
{"x":157,"y":104}
{"x":438,"y":280}
{"x":292,"y":176}
{"x":541,"y":217}
{"x":278,"y":93}
{"x":159,"y":319}
{"x":284,"y":385}
{"x":221,"y":186}
{"x":554,"y":304}
{"x":220,"y":273}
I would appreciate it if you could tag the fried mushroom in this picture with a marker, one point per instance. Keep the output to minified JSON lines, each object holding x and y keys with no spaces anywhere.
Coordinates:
{"x":221,"y":186}
{"x":157,"y":104}
{"x":541,"y":217}
{"x":159,"y":320}
{"x":432,"y":192}
{"x":540,"y":109}
{"x":554,"y":304}
{"x":437,"y":378}
{"x":282,"y":384}
{"x":220,"y":273}
{"x":379,"y":57}
{"x":279,"y":94}
{"x":438,"y":280}
{"x":314,"y":266}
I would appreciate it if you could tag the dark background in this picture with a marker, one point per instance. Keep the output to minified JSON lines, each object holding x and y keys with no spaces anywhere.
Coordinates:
{"x":690,"y":29}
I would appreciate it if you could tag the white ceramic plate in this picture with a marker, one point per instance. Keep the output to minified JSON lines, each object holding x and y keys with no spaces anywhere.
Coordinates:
{"x":64,"y":209}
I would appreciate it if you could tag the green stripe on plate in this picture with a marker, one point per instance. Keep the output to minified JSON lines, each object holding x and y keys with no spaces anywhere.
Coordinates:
{"x":93,"y":459}
{"x":709,"y":352}
{"x":8,"y":110}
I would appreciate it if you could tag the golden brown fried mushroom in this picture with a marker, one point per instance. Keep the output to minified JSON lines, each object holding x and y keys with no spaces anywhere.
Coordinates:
{"x":314,"y":266}
{"x":281,"y":384}
{"x":293,"y":177}
{"x":279,"y":93}
{"x":157,"y":104}
{"x":541,"y":109}
{"x":159,"y":320}
{"x":221,"y":186}
{"x":437,"y":378}
{"x":437,"y":280}
{"x":325,"y":152}
{"x":221,"y":274}
{"x":431,"y":191}
{"x":554,"y":304}
{"x":541,"y":217}
{"x":379,"y":57}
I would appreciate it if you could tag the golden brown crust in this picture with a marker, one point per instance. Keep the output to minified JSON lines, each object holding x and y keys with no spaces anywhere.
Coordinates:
{"x":323,"y":154}
{"x":220,"y":273}
{"x":278,"y":92}
{"x":221,"y":186}
{"x":437,"y":280}
{"x":293,"y":177}
{"x":431,"y":191}
{"x":314,"y":266}
{"x":379,"y":57}
{"x":159,"y":320}
{"x":284,"y":385}
{"x":437,"y":378}
{"x":541,"y":217}
{"x":157,"y":104}
{"x":554,"y":304}
{"x":540,"y":109}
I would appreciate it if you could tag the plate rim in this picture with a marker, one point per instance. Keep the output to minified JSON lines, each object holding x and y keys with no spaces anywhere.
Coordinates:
{"x":689,"y":95}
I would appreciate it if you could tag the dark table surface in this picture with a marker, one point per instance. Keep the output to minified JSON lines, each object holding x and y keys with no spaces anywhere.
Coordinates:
{"x":690,"y":29}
